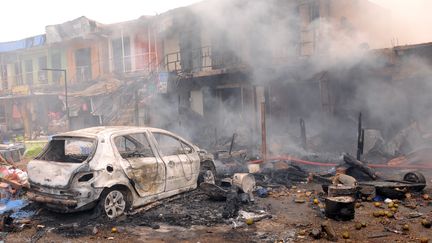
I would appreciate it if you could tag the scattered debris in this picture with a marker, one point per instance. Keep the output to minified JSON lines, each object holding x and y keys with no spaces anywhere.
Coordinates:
{"x":393,"y":230}
{"x":413,"y":215}
{"x":378,"y":235}
{"x":262,"y":192}
{"x":329,"y":231}
{"x":213,"y":191}
{"x":39,"y":233}
{"x":249,"y":218}
{"x":232,"y":203}
{"x":243,"y":182}
{"x":316,"y":233}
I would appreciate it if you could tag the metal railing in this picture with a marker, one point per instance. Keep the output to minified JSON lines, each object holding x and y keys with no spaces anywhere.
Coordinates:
{"x":201,"y":59}
{"x":141,"y":64}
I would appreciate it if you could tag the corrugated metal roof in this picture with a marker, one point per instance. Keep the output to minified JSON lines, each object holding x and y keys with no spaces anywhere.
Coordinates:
{"x":30,"y":42}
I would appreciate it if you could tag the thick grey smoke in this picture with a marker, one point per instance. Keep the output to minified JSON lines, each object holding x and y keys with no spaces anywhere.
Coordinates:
{"x":265,"y":36}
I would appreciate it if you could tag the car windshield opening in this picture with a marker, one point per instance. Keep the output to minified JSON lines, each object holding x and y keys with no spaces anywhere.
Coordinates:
{"x":69,"y":150}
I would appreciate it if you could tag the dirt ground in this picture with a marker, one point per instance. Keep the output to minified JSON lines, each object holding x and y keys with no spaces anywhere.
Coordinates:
{"x":192,"y":217}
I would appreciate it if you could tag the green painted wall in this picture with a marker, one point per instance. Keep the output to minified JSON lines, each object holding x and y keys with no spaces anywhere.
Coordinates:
{"x":34,"y":56}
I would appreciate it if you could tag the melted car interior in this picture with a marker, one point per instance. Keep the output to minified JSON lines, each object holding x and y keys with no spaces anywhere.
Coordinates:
{"x":68,"y":150}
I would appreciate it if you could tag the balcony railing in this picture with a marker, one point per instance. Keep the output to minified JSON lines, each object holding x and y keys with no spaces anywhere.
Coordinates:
{"x":201,"y":59}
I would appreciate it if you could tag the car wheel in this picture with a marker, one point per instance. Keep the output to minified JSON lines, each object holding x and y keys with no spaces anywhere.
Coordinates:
{"x":206,"y":166}
{"x":114,"y":203}
{"x":415,"y":177}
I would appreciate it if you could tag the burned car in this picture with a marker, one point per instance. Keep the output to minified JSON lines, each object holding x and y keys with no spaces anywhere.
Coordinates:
{"x":114,"y":169}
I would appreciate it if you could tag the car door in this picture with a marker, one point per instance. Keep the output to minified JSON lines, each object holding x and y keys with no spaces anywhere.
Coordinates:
{"x":145,"y":169}
{"x":169,"y":147}
{"x":190,"y":161}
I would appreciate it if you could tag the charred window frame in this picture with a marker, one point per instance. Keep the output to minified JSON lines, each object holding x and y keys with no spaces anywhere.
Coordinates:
{"x":56,"y":150}
{"x":43,"y":74}
{"x":173,"y":147}
{"x":133,"y":145}
{"x":3,"y":70}
{"x":83,"y":64}
{"x":18,"y":73}
{"x":121,"y":52}
{"x":187,"y":149}
{"x":4,"y":76}
{"x":56,"y":63}
{"x":314,"y":11}
{"x":308,"y":13}
{"x":28,"y":64}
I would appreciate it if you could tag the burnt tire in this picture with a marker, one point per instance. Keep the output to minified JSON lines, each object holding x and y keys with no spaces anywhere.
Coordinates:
{"x":414,"y":177}
{"x":114,"y":202}
{"x":204,"y":167}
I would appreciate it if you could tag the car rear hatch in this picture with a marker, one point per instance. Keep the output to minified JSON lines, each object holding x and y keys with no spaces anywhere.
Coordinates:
{"x":59,"y":162}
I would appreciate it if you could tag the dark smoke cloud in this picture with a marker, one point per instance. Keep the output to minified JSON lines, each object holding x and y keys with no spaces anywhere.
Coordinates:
{"x":264,"y":35}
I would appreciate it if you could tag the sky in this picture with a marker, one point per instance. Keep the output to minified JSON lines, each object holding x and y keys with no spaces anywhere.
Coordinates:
{"x":24,"y":18}
{"x":411,"y":20}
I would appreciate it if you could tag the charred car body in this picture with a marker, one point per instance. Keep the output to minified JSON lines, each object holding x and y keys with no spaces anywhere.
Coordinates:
{"x":114,"y":168}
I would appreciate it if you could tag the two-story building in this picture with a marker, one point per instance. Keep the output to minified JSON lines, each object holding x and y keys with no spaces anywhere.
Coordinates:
{"x":212,"y":64}
{"x":94,"y":61}
{"x":227,"y":57}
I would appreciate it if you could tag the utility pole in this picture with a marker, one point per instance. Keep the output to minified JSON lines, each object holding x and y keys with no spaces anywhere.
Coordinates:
{"x":136,"y":108}
{"x":263,"y":132}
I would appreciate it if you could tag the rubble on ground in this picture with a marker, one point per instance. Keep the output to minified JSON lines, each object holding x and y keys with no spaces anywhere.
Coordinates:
{"x":244,"y":200}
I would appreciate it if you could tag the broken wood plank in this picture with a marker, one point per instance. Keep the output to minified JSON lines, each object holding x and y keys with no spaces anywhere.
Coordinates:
{"x":320,"y":179}
{"x":350,"y":160}
{"x":328,"y":229}
{"x":378,"y":235}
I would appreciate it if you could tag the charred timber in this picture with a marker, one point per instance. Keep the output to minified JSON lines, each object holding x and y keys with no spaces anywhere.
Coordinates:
{"x":350,"y":160}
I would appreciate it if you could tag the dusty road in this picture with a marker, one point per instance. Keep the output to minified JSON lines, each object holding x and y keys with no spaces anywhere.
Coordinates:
{"x":194,"y":218}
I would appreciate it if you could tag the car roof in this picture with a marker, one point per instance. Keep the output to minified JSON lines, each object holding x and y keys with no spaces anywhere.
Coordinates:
{"x":106,"y":130}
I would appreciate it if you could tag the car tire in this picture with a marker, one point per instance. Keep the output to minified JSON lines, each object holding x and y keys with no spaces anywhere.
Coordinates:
{"x":114,"y":202}
{"x":206,"y":166}
{"x":414,"y":177}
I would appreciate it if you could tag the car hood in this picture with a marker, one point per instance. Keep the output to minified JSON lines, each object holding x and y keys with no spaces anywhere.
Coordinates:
{"x":51,"y":174}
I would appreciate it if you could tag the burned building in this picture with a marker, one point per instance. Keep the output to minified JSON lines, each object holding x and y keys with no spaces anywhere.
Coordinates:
{"x":273,"y":52}
{"x":69,"y":78}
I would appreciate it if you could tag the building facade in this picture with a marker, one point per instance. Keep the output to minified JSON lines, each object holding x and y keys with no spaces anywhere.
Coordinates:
{"x":209,"y":65}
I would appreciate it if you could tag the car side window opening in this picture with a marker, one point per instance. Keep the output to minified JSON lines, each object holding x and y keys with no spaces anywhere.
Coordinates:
{"x":69,"y":150}
{"x":133,"y":146}
{"x":186,"y":148}
{"x":169,"y":145}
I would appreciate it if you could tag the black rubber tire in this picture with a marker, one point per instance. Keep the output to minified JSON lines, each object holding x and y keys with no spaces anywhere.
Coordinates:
{"x":414,"y":177}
